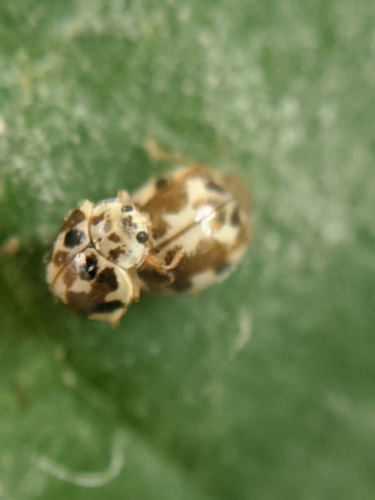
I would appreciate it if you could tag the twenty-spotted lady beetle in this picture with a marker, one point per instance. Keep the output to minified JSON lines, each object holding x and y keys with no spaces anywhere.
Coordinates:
{"x":203,"y":213}
{"x":95,"y":255}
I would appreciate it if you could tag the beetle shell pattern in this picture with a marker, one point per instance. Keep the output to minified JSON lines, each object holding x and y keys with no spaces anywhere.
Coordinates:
{"x":180,"y":233}
{"x":93,"y":263}
{"x":205,"y":214}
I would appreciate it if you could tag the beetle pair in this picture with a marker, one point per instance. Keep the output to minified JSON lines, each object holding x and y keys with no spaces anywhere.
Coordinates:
{"x":180,"y":233}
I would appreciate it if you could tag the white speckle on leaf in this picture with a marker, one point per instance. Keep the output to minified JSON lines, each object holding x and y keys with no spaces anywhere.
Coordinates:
{"x":272,"y":242}
{"x":155,"y":348}
{"x":18,"y":163}
{"x":184,"y":14}
{"x":338,"y":403}
{"x":290,"y":108}
{"x":2,"y":125}
{"x":244,"y":332}
{"x":215,"y":393}
{"x":31,"y":485}
{"x":80,"y":111}
{"x":76,"y":139}
{"x":212,"y":81}
{"x":243,"y":103}
{"x":290,"y":137}
{"x":327,"y":114}
{"x":204,"y":38}
{"x":60,"y":353}
{"x":336,"y":232}
{"x":362,"y":414}
{"x":88,"y":479}
{"x":69,"y":378}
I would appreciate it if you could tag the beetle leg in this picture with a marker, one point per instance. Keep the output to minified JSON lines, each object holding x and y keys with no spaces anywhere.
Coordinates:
{"x":154,"y":262}
{"x":159,"y":154}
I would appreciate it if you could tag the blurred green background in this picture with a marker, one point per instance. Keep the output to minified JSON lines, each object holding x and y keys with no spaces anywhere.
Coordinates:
{"x":263,"y":387}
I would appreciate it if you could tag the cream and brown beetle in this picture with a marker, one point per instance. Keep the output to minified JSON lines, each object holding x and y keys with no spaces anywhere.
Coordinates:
{"x":199,"y":217}
{"x":92,"y":267}
{"x":179,"y":233}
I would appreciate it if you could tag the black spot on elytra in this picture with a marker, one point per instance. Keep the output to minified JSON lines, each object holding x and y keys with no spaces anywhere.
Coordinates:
{"x":212,"y":186}
{"x":108,"y":277}
{"x":108,"y":307}
{"x":181,"y":287}
{"x":161,"y":183}
{"x":73,"y":238}
{"x":235,"y":218}
{"x":89,"y":270}
{"x":142,"y":237}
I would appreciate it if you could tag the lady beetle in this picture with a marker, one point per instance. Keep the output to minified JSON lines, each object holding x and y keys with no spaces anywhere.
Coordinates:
{"x":200,"y":215}
{"x":94,"y":258}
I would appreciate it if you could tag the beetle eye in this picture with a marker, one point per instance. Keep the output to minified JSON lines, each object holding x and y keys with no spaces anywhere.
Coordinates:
{"x":142,"y":237}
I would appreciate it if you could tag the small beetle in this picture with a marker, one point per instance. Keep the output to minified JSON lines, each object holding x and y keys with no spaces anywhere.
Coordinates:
{"x":94,"y":258}
{"x":199,"y":217}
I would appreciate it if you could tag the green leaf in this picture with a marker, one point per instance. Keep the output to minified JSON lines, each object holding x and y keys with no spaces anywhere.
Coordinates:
{"x":262,"y":387}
